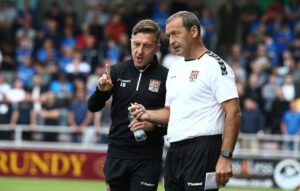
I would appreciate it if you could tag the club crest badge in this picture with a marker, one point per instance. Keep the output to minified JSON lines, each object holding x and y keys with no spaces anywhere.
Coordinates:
{"x":154,"y":85}
{"x":193,"y":75}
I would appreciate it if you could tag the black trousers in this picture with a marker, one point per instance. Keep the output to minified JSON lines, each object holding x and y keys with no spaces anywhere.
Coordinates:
{"x":132,"y":174}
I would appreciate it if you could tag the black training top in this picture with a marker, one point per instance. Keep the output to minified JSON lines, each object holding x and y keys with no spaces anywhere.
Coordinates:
{"x":130,"y":85}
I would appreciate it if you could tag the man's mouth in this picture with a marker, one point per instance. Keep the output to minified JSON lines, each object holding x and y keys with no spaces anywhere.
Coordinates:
{"x":139,"y":59}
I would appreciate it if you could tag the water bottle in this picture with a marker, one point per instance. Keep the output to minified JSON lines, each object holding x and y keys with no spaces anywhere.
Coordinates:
{"x":140,"y":134}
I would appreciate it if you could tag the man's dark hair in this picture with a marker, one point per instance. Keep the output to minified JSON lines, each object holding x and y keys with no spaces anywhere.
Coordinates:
{"x":189,"y":19}
{"x":147,"y":26}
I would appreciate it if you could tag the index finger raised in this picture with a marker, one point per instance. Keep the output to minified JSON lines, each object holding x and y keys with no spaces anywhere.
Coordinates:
{"x":107,"y":69}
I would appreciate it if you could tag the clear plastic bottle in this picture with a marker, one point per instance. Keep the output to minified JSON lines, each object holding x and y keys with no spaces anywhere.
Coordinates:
{"x":140,"y":134}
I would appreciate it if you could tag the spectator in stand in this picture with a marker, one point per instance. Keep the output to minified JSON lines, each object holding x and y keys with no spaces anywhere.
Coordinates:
{"x":112,"y":52}
{"x":47,"y":51}
{"x":6,"y":110}
{"x":269,"y":96}
{"x":252,"y":122}
{"x":85,"y":38}
{"x":140,"y":11}
{"x":279,"y":106}
{"x":37,"y":89}
{"x":96,"y":29}
{"x":124,"y":47}
{"x":26,"y":9}
{"x":8,"y":64}
{"x":238,"y":70}
{"x":228,"y":15}
{"x":161,"y":13}
{"x":4,"y":86}
{"x":55,"y":13}
{"x":209,"y":24}
{"x":197,"y":7}
{"x":24,"y":49}
{"x":253,"y":89}
{"x":79,"y":117}
{"x":65,"y":58}
{"x":248,"y":50}
{"x":77,"y":67}
{"x":292,"y":10}
{"x":90,"y":53}
{"x":50,"y":114}
{"x":290,"y":124}
{"x":274,"y":15}
{"x":236,"y":54}
{"x":288,"y":62}
{"x":289,"y":88}
{"x":295,"y":48}
{"x":7,"y":20}
{"x":27,"y":31}
{"x":115,"y":27}
{"x":283,"y":36}
{"x":16,"y":93}
{"x":26,"y":71}
{"x":63,"y":90}
{"x":23,"y":114}
{"x":44,"y":73}
{"x":51,"y":31}
{"x":68,"y":38}
{"x":250,"y":13}
{"x":70,"y":16}
{"x":98,"y":11}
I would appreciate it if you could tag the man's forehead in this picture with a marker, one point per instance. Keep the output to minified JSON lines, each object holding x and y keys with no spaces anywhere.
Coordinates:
{"x":143,"y":38}
{"x":174,"y":23}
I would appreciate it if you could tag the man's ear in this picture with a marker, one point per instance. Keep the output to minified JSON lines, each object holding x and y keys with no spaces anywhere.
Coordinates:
{"x":195,"y":32}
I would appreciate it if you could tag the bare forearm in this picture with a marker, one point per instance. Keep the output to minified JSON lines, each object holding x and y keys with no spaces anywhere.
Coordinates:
{"x":160,"y":116}
{"x":232,"y":124}
{"x":231,"y":132}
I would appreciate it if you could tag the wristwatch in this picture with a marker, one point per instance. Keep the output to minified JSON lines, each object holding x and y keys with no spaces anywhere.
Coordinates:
{"x":226,"y":154}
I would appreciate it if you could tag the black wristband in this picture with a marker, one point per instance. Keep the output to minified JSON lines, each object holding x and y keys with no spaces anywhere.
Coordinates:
{"x":226,"y":154}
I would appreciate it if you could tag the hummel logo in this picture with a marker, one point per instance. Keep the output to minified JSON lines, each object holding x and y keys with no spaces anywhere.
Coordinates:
{"x":194,"y":183}
{"x":147,"y":184}
{"x":220,"y":61}
{"x":172,"y":77}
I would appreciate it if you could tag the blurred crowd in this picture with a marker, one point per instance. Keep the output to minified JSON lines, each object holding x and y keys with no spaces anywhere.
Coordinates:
{"x":49,"y":68}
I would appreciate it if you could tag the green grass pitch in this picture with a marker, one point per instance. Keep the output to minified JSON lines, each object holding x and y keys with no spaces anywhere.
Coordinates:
{"x":34,"y":184}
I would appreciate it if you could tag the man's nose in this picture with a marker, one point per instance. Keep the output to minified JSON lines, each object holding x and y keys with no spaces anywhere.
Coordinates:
{"x":171,"y":40}
{"x":140,"y":50}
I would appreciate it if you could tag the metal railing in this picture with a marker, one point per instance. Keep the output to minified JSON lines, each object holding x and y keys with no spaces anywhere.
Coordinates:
{"x":266,"y":145}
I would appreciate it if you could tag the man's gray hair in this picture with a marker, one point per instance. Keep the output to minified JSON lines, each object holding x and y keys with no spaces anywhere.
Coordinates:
{"x":189,"y":19}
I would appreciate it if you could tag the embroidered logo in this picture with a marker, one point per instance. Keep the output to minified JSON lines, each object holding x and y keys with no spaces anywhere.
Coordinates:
{"x":194,"y":183}
{"x":154,"y":85}
{"x":194,"y":75}
{"x":123,"y":82}
{"x":147,"y":184}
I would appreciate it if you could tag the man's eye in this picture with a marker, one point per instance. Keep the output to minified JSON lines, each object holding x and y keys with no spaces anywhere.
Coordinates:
{"x":148,"y":45}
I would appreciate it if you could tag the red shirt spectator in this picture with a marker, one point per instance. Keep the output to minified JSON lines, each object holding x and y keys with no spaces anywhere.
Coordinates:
{"x":115,"y":27}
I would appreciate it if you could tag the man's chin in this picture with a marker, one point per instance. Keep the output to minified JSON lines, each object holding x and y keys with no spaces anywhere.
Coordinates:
{"x":139,"y":64}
